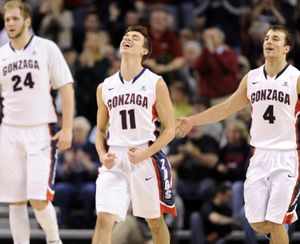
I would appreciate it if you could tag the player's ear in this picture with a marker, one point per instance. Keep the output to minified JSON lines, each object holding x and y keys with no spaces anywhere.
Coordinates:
{"x":287,"y":48}
{"x":28,"y":22}
{"x":145,"y":51}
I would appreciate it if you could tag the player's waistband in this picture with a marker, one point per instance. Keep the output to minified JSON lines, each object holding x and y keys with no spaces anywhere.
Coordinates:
{"x":125,"y":148}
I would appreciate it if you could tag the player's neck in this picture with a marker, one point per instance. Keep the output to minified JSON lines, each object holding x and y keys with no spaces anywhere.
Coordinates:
{"x":21,"y":41}
{"x":130,"y":68}
{"x":273,"y":67}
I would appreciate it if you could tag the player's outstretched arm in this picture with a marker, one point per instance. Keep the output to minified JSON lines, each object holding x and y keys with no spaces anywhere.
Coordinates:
{"x":216,"y":113}
{"x":64,"y":136}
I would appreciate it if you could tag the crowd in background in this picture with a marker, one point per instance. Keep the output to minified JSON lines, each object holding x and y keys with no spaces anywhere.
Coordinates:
{"x":202,"y":48}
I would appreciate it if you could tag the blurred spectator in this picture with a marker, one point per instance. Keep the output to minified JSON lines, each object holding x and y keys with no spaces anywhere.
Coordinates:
{"x":244,"y":115}
{"x":114,"y":59}
{"x":179,"y":98}
{"x":267,"y":11}
{"x":244,"y":66}
{"x":70,"y":56}
{"x":222,"y":13}
{"x":186,"y":35}
{"x":213,"y":130}
{"x":91,"y":69}
{"x":91,"y":23}
{"x":166,"y":57}
{"x":213,"y":222}
{"x":233,"y":162}
{"x":194,"y":157}
{"x":217,"y":66}
{"x":57,"y":23}
{"x":234,"y":155}
{"x":191,"y":50}
{"x":131,"y":18}
{"x":76,"y":175}
{"x":112,"y":12}
{"x":257,"y":34}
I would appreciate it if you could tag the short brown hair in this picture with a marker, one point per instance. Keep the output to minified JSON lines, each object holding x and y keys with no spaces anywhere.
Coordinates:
{"x":289,"y":37}
{"x":147,"y":43}
{"x":24,"y":8}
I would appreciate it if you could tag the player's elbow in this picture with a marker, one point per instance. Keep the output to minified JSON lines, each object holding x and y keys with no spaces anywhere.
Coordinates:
{"x":170,"y":130}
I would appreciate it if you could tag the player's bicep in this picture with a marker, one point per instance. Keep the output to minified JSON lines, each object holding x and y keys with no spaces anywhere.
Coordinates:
{"x":163,"y":104}
{"x":102,"y":113}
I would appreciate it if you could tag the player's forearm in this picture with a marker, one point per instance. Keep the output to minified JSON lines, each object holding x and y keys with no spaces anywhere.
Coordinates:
{"x":212,"y":115}
{"x":166,"y":136}
{"x":100,"y":142}
{"x":67,"y":103}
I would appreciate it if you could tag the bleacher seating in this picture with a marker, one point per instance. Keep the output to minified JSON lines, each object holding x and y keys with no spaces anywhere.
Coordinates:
{"x":75,"y":236}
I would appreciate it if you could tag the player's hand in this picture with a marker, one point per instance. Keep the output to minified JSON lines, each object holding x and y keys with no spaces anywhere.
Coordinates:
{"x":64,"y":139}
{"x":184,"y":125}
{"x":137,"y":155}
{"x":108,"y":159}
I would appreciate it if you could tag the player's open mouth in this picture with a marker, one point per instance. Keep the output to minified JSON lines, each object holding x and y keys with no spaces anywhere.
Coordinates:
{"x":127,"y":44}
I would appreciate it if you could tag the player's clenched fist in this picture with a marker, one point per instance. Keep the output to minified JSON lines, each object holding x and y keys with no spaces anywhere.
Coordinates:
{"x":137,"y":155}
{"x":108,"y":159}
{"x":64,"y":139}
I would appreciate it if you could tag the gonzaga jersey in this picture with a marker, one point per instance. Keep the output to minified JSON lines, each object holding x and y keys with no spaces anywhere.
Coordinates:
{"x":27,"y":77}
{"x":275,"y":108}
{"x":132,"y":114}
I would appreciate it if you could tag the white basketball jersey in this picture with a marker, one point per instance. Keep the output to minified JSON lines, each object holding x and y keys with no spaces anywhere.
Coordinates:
{"x":275,"y":108}
{"x":27,"y":77}
{"x":130,"y":104}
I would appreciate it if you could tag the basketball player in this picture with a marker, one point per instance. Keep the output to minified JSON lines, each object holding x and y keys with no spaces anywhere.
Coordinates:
{"x":30,"y":67}
{"x":271,"y":188}
{"x":135,"y":170}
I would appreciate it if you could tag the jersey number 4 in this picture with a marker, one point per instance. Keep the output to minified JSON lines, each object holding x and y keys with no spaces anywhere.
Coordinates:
{"x":18,"y":84}
{"x":131,"y":116}
{"x":269,"y":114}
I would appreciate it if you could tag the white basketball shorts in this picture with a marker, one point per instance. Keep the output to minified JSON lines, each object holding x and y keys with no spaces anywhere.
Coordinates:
{"x":271,"y":188}
{"x":27,"y":163}
{"x":147,"y":185}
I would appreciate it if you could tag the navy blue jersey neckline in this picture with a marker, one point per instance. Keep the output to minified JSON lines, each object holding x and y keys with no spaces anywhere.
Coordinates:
{"x":134,"y":79}
{"x":280,"y":73}
{"x":24,"y":46}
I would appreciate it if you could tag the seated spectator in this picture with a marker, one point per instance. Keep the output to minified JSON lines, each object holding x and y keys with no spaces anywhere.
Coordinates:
{"x":91,"y":69}
{"x":179,"y":98}
{"x":245,"y":116}
{"x":225,"y":14}
{"x":191,"y":50}
{"x":76,"y":175}
{"x":233,"y":162}
{"x":194,"y":157}
{"x":213,"y":222}
{"x":268,"y":11}
{"x":166,"y":58}
{"x":234,"y":154}
{"x":57,"y":23}
{"x":214,"y":130}
{"x":217,"y":66}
